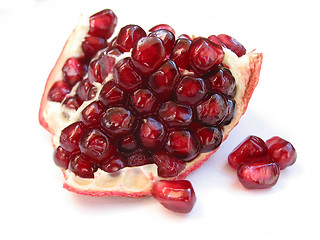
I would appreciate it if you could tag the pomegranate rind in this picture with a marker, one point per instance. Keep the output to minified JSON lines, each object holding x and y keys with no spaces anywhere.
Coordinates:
{"x":138,"y":181}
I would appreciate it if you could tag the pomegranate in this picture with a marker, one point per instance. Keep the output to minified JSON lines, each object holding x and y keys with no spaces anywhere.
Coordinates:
{"x":127,"y":111}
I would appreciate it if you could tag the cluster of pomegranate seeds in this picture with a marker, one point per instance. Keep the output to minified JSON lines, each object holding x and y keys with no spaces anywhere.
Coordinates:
{"x":258,"y":163}
{"x":144,"y":97}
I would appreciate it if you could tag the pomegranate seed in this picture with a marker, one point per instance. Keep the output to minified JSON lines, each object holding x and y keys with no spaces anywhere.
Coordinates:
{"x":110,"y":94}
{"x":117,"y":121}
{"x":186,"y":36}
{"x":125,"y":75}
{"x":107,"y":61}
{"x":138,"y":158}
{"x":92,"y":92}
{"x":151,"y":133}
{"x":114,"y":163}
{"x":162,"y":26}
{"x":61,"y":157}
{"x":73,"y":70}
{"x":180,"y":53}
{"x":205,"y":55}
{"x":230,"y":112}
{"x":92,"y":44}
{"x":168,"y":166}
{"x":82,"y":166}
{"x":281,"y":151}
{"x":148,"y":54}
{"x":103,"y":23}
{"x":175,"y":114}
{"x":222,"y":80}
{"x":190,"y":90}
{"x":175,"y":195}
{"x":128,"y":36}
{"x":258,"y":173}
{"x":232,"y":44}
{"x":252,"y":146}
{"x":83,"y":89}
{"x":91,"y":114}
{"x":94,"y":73}
{"x":167,"y":38}
{"x":143,"y":101}
{"x":128,"y":143}
{"x":72,"y":103}
{"x":58,"y":91}
{"x":182,"y":144}
{"x":216,"y":40}
{"x":70,"y":136}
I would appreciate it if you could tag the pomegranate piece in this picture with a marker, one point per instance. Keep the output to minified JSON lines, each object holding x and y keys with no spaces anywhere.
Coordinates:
{"x":70,"y":136}
{"x":175,"y":195}
{"x":174,"y":114}
{"x":92,"y":44}
{"x":73,"y":70}
{"x":180,"y":51}
{"x":167,"y":38}
{"x":61,"y":157}
{"x":151,"y":133}
{"x":114,"y":163}
{"x":103,"y":23}
{"x":258,"y":173}
{"x":232,"y":44}
{"x":91,"y":114}
{"x":110,"y":94}
{"x":252,"y":146}
{"x":281,"y":151}
{"x":148,"y":54}
{"x":143,"y":101}
{"x":82,"y":166}
{"x":223,"y":81}
{"x":190,"y":90}
{"x":58,"y":91}
{"x":138,"y":158}
{"x":168,"y":166}
{"x":128,"y":36}
{"x":162,"y":26}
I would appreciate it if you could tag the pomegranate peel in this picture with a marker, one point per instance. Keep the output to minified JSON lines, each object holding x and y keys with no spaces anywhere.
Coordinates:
{"x":136,"y":181}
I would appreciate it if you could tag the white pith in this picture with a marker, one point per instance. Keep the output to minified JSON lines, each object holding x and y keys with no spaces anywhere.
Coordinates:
{"x":129,"y":179}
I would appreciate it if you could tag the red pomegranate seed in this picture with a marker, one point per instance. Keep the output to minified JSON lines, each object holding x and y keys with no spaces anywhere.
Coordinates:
{"x":232,"y":44}
{"x":175,"y":195}
{"x":107,"y":61}
{"x":94,"y":73}
{"x":126,"y":76}
{"x":92,"y":92}
{"x":222,"y":80}
{"x":167,"y":38}
{"x":213,"y":111}
{"x":281,"y":151}
{"x":58,"y":91}
{"x":186,"y":36}
{"x":252,"y":146}
{"x":61,"y":157}
{"x":72,"y":103}
{"x":190,"y":90}
{"x":162,"y":26}
{"x":168,"y":166}
{"x":110,"y":94}
{"x":91,"y":114}
{"x":117,"y":121}
{"x":138,"y":158}
{"x":164,"y":79}
{"x":258,"y":173}
{"x":95,"y":145}
{"x":103,"y":23}
{"x":174,"y":114}
{"x":209,"y":138}
{"x":143,"y":101}
{"x":216,"y":40}
{"x":83,"y":89}
{"x":180,"y":53}
{"x":70,"y":136}
{"x":114,"y":163}
{"x":82,"y":166}
{"x":128,"y":143}
{"x":92,"y":44}
{"x":182,"y":144}
{"x":148,"y":54}
{"x":73,"y":70}
{"x":230,"y":112}
{"x":128,"y":36}
{"x":205,"y":55}
{"x":151,"y":133}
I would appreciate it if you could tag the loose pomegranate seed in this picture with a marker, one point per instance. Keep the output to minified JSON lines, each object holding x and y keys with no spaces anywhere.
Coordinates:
{"x":91,"y":114}
{"x":58,"y":91}
{"x":148,"y":54}
{"x":180,"y":53}
{"x":70,"y":136}
{"x":168,"y":166}
{"x":73,"y":70}
{"x":232,"y":44}
{"x":94,"y":72}
{"x":205,"y":55}
{"x":128,"y":36}
{"x":126,"y":76}
{"x":83,"y":89}
{"x":114,"y":163}
{"x":209,"y":138}
{"x":110,"y":94}
{"x":213,"y":111}
{"x":128,"y":143}
{"x":175,"y":114}
{"x":82,"y":166}
{"x":164,"y":79}
{"x":117,"y":121}
{"x":175,"y":195}
{"x":72,"y":103}
{"x":167,"y":38}
{"x":143,"y":101}
{"x":222,"y":80}
{"x":252,"y":146}
{"x":92,"y":44}
{"x":162,"y":26}
{"x":190,"y":90}
{"x":61,"y":157}
{"x":151,"y":133}
{"x":103,"y":23}
{"x":216,"y":40}
{"x":258,"y":173}
{"x":138,"y":158}
{"x":281,"y":151}
{"x":182,"y":144}
{"x":107,"y":61}
{"x":231,"y":112}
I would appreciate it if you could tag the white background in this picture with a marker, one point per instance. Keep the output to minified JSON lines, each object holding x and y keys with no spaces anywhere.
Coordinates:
{"x":285,"y":103}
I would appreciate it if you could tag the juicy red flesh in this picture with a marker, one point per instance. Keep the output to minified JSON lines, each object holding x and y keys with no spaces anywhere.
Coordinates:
{"x":73,"y":70}
{"x":111,"y":94}
{"x":180,"y":51}
{"x":72,"y":103}
{"x":91,"y":45}
{"x":103,"y":23}
{"x":232,"y":44}
{"x":91,"y":114}
{"x":175,"y":195}
{"x":151,"y":133}
{"x":162,"y":26}
{"x":175,"y":115}
{"x":70,"y":136}
{"x":168,"y":166}
{"x":82,"y":166}
{"x":114,"y":163}
{"x":143,"y":101}
{"x":61,"y":157}
{"x":167,"y":38}
{"x":58,"y":91}
{"x":223,"y":81}
{"x":128,"y":36}
{"x":138,"y":158}
{"x":190,"y":90}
